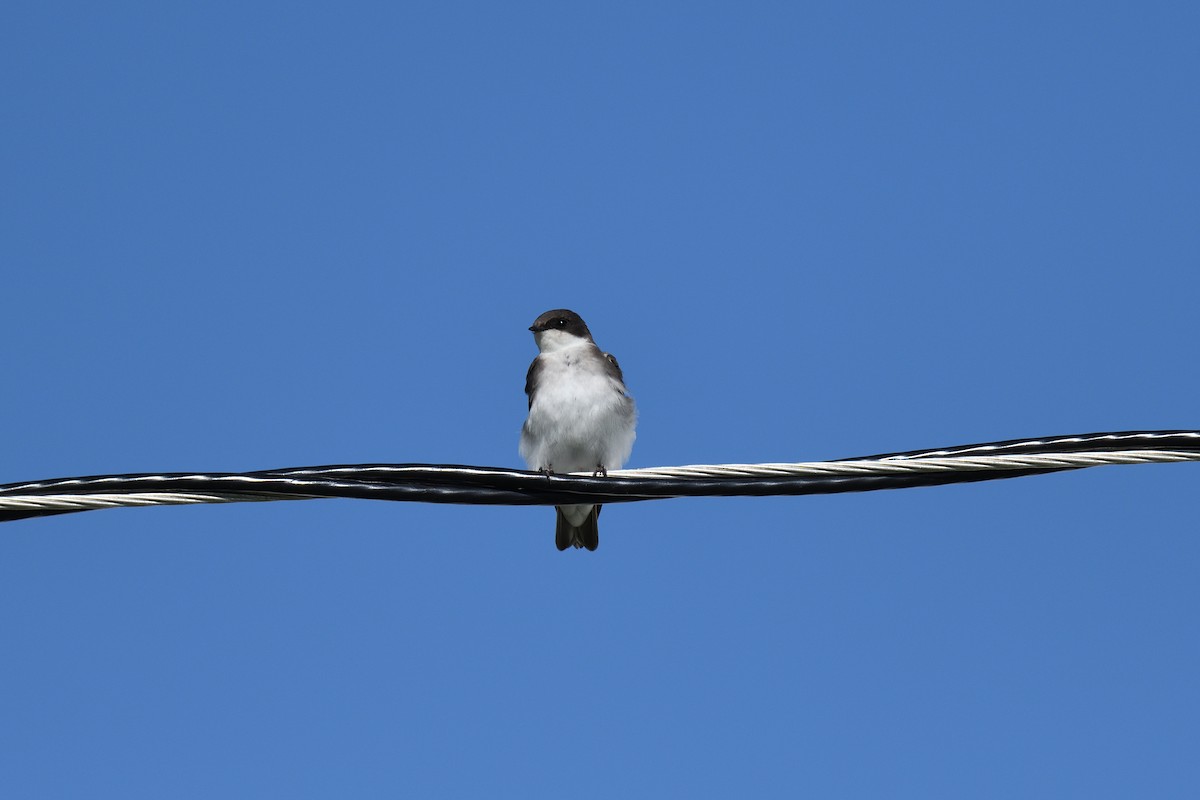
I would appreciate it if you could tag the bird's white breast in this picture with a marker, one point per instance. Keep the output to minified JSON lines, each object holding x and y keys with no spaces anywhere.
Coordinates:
{"x":581,"y":417}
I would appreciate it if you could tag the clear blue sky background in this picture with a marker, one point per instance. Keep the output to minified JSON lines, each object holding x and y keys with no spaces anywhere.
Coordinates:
{"x":239,"y":236}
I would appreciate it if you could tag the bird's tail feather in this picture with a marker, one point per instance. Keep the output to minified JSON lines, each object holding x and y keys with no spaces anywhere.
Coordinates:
{"x":586,"y":534}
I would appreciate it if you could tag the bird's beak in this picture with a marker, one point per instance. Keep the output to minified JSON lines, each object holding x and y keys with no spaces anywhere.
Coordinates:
{"x":533,"y":328}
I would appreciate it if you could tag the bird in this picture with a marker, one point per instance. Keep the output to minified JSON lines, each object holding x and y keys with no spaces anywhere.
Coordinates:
{"x":581,"y":416}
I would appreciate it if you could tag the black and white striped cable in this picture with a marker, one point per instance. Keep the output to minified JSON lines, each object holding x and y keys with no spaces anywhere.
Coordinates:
{"x":498,"y":486}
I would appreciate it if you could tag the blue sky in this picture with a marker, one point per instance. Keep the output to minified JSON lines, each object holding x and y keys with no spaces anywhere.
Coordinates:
{"x":243,"y":236}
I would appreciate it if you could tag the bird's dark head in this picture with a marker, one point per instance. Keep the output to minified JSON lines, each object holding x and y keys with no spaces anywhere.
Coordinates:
{"x":559,"y":324}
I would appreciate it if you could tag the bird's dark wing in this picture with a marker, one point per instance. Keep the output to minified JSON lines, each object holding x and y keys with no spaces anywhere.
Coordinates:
{"x":613,"y":368}
{"x":531,"y":378}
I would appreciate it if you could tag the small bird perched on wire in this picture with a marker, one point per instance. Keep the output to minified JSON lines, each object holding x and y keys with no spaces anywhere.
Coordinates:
{"x":581,"y":417}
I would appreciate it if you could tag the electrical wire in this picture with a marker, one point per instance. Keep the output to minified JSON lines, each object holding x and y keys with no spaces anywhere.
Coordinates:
{"x":442,"y":483}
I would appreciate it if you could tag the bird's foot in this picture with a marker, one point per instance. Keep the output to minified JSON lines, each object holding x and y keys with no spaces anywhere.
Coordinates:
{"x":600,"y":472}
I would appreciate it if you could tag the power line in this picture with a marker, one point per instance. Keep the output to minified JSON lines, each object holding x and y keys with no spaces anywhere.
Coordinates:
{"x":443,"y":483}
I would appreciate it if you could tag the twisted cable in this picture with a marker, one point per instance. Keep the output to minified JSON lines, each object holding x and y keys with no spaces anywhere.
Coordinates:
{"x":443,"y":483}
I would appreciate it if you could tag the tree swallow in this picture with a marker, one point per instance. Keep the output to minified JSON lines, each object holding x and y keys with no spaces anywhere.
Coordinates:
{"x":581,"y":418}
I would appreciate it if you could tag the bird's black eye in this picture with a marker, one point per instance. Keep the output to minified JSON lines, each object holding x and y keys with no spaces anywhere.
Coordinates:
{"x":560,"y":322}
